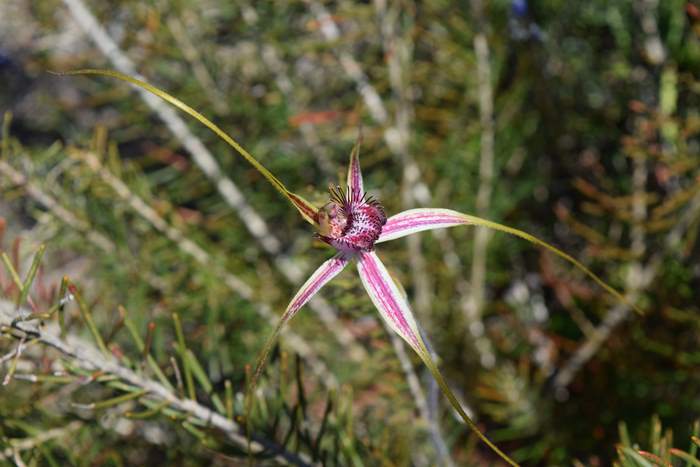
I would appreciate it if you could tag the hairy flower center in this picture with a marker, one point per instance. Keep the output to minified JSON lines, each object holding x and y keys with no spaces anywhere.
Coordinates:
{"x":351,"y":224}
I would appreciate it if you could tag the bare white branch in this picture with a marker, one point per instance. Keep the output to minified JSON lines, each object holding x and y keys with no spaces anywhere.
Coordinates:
{"x":86,"y":356}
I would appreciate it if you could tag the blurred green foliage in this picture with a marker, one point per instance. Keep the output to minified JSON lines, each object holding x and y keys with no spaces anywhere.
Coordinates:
{"x":596,"y":150}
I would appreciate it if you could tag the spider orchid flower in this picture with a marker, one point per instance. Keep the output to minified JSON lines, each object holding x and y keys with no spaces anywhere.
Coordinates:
{"x":353,"y":223}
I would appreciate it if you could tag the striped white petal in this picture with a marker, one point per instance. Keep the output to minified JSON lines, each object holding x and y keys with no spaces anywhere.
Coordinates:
{"x":327,"y":271}
{"x":394,"y":309}
{"x":417,"y":220}
{"x":388,"y":299}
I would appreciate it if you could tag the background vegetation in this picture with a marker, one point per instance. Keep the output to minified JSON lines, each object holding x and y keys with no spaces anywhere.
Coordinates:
{"x":575,"y":121}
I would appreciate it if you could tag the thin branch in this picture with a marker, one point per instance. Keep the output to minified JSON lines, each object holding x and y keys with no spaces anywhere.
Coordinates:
{"x":85,"y":356}
{"x":419,"y":397}
{"x":15,"y":358}
{"x":12,"y":353}
{"x":474,"y":304}
{"x":486,"y":163}
{"x":18,"y":458}
{"x":26,"y":444}
{"x":620,"y":313}
{"x":331,"y":32}
{"x":192,"y":55}
{"x":51,"y":204}
{"x":270,"y":56}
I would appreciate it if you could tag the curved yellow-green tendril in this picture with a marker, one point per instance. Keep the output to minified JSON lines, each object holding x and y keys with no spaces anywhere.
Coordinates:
{"x":428,"y":361}
{"x":532,"y":239}
{"x":306,"y":209}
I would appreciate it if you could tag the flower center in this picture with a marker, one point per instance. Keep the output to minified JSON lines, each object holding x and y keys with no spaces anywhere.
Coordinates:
{"x":350,"y":224}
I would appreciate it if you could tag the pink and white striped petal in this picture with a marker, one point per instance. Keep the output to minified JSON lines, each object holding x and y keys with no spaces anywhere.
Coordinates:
{"x":327,"y":271}
{"x":355,"y":185}
{"x":417,"y":220}
{"x":389,"y":300}
{"x":395,"y":310}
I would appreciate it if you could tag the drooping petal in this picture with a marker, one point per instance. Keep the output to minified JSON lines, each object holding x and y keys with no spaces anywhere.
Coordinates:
{"x":394,"y":309}
{"x":306,"y":209}
{"x":327,"y":271}
{"x":417,"y":220}
{"x":355,"y":174}
{"x":388,"y":299}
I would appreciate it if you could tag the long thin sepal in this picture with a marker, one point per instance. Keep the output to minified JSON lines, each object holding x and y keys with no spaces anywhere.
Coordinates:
{"x":427,"y":360}
{"x":327,"y":271}
{"x":354,"y":181}
{"x":394,"y":309}
{"x":306,"y":209}
{"x":418,"y":220}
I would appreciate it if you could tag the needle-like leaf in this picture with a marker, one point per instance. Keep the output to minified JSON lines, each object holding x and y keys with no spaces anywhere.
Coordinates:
{"x":418,"y":220}
{"x":29,"y":279}
{"x":306,"y":209}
